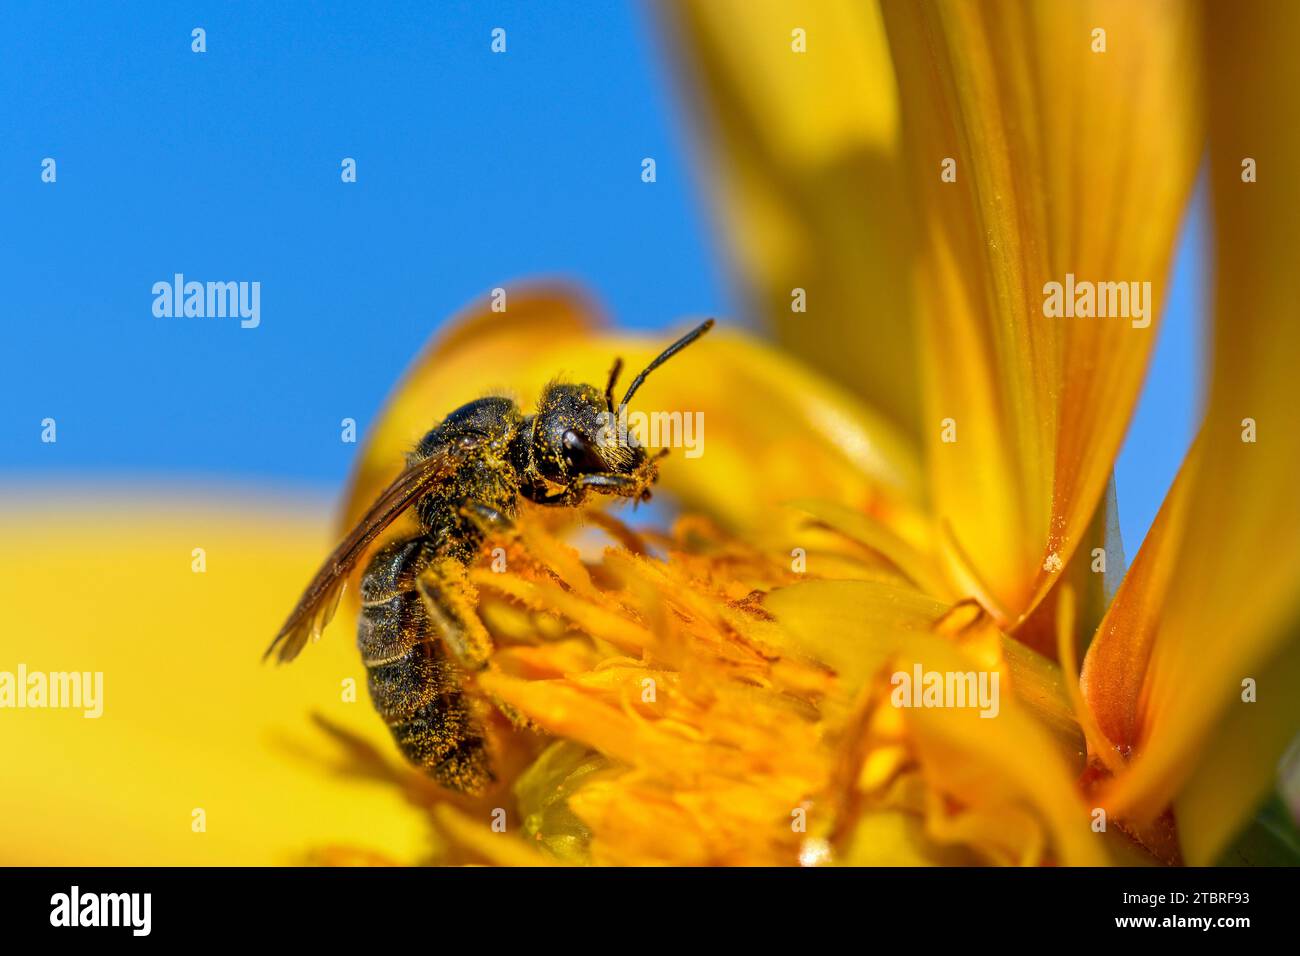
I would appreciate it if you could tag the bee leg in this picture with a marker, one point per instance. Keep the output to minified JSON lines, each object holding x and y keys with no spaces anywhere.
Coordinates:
{"x":450,"y":601}
{"x":619,"y":484}
{"x":565,"y":497}
{"x":576,"y":493}
{"x":487,"y":519}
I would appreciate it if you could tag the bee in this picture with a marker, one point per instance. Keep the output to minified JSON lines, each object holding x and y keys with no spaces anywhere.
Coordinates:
{"x":418,"y":629}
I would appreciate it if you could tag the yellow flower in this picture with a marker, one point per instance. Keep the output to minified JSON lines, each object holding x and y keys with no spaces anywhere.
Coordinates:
{"x":717,"y":694}
{"x":723,"y":689}
{"x":1067,"y":136}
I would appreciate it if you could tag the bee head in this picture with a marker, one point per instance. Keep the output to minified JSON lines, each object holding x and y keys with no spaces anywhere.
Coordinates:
{"x":578,"y":444}
{"x":581,"y":441}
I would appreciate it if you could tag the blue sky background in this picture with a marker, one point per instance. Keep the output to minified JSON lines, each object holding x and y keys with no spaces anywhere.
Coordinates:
{"x":474,"y":170}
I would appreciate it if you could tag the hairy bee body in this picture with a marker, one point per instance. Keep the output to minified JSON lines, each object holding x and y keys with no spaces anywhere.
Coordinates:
{"x":413,"y":684}
{"x":406,"y":639}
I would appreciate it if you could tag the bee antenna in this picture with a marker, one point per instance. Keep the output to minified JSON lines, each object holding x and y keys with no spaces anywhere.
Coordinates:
{"x":664,"y":356}
{"x":609,"y":386}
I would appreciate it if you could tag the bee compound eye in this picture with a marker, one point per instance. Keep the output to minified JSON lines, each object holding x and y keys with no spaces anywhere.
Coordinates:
{"x":579,"y":455}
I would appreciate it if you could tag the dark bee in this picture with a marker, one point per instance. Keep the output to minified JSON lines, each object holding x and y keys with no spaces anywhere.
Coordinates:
{"x":464,"y":479}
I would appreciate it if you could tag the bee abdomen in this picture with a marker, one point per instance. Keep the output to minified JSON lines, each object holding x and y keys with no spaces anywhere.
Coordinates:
{"x":444,"y":740}
{"x":413,"y":685}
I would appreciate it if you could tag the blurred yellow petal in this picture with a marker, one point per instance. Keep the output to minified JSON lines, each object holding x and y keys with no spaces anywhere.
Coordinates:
{"x":480,"y":840}
{"x":1067,"y":161}
{"x":1235,"y":585}
{"x":918,"y":564}
{"x":897,"y":838}
{"x":101,"y":579}
{"x":994,"y":766}
{"x":782,"y":433}
{"x":1238,"y":764}
{"x":855,"y":627}
{"x":990,"y":769}
{"x":798,"y":110}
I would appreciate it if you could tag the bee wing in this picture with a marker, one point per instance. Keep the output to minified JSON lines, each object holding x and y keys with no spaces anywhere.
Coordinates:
{"x":321,"y":599}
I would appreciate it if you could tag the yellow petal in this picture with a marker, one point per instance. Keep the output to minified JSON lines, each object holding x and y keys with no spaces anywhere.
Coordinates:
{"x":855,"y":627}
{"x":1234,"y":592}
{"x":480,"y":841}
{"x":1238,"y":764}
{"x":1056,"y":150}
{"x":992,"y":769}
{"x":192,"y":719}
{"x":802,"y":160}
{"x":1115,"y":667}
{"x":897,"y":838}
{"x":996,"y":766}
